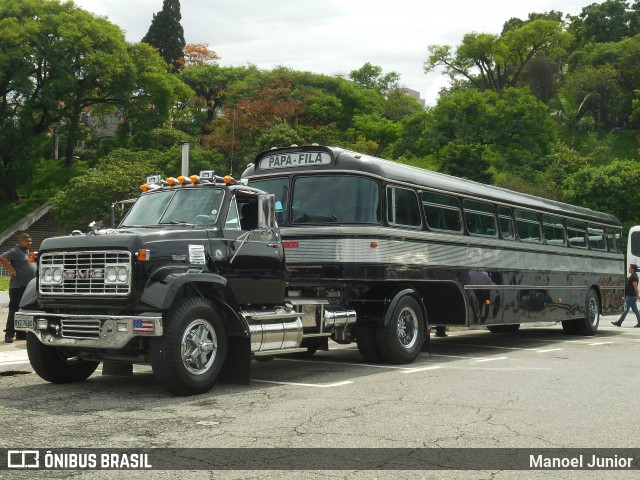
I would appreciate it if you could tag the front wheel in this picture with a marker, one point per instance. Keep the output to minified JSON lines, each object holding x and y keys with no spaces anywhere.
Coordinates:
{"x":188,"y":358}
{"x":401,"y":341}
{"x":57,"y":364}
{"x":589,"y":325}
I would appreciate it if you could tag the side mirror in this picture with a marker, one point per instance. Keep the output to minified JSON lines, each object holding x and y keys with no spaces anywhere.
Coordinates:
{"x":267,"y":211}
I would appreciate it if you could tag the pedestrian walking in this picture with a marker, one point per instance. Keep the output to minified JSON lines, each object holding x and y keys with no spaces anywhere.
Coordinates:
{"x":630,"y":296}
{"x":16,"y":261}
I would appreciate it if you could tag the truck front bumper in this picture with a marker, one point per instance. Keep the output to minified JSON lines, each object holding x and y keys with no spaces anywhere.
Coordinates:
{"x":91,"y":331}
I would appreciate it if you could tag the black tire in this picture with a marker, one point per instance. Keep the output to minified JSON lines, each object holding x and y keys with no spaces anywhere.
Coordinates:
{"x":57,"y":364}
{"x":588,"y":326}
{"x":367,"y":343}
{"x":401,"y":341}
{"x":570,"y":327}
{"x":511,"y":328}
{"x":188,"y":358}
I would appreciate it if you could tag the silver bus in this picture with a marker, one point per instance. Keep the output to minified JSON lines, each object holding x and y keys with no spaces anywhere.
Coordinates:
{"x":407,"y":249}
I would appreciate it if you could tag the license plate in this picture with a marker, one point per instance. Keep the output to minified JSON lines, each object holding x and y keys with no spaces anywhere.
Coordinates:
{"x":23,"y":321}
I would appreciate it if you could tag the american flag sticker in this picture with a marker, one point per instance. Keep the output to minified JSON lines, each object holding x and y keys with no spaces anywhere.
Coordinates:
{"x":143,"y":326}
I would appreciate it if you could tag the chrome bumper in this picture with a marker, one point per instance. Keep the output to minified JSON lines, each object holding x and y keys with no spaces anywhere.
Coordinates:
{"x":91,"y":331}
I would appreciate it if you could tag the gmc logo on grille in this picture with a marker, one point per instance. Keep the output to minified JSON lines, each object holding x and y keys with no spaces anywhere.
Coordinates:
{"x":83,"y":274}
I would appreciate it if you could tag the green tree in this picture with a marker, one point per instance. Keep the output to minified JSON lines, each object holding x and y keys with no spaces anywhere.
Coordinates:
{"x":492,"y":62}
{"x":609,"y":21}
{"x":571,"y":115}
{"x":606,"y":188}
{"x":511,"y":131}
{"x":55,"y":60}
{"x":154,"y":98}
{"x":466,"y":161}
{"x":166,"y":33}
{"x":370,"y":76}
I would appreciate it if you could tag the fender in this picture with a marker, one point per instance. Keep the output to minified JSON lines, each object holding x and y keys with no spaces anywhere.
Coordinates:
{"x":30,"y":295}
{"x":162,"y":293}
{"x":396,"y":298}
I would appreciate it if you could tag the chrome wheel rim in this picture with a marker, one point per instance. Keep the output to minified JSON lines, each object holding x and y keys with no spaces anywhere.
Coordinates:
{"x":199,"y":347}
{"x":407,"y":328}
{"x":594,"y":315}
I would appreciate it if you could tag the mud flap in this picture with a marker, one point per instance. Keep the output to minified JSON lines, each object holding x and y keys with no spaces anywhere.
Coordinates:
{"x":237,"y":366}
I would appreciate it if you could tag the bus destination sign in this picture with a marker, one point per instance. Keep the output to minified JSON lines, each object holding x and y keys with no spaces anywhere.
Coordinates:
{"x":297,"y":159}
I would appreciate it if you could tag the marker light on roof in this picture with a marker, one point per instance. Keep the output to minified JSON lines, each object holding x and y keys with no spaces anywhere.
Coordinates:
{"x":144,"y":187}
{"x":184,"y":180}
{"x":171,"y":181}
{"x":227,"y":179}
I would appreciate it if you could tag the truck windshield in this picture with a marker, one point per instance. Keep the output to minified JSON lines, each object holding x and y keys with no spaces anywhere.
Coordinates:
{"x":193,"y":206}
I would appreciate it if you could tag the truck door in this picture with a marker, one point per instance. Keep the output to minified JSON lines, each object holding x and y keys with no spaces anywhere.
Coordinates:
{"x":255,"y":264}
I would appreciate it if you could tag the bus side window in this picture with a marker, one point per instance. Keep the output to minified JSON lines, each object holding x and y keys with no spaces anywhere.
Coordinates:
{"x":613,"y":240}
{"x":402,"y":207}
{"x":528,"y":226}
{"x":597,"y":239}
{"x":505,"y":222}
{"x":479,"y":218}
{"x":577,"y":233}
{"x":553,"y":230}
{"x":442,"y":212}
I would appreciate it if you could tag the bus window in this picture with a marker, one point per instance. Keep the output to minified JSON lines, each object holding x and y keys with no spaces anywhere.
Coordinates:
{"x":335,"y":199}
{"x":402,"y":207}
{"x":506,"y":223}
{"x":553,"y":230}
{"x":280,"y":188}
{"x":613,"y":241}
{"x":596,"y":237}
{"x":634,"y":243}
{"x":479,"y":218}
{"x":577,"y":233}
{"x":527,"y":226}
{"x":442,"y":212}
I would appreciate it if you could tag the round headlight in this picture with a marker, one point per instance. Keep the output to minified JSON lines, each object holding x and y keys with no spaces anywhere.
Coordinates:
{"x":47,"y":275}
{"x":57,"y":275}
{"x":122,"y":274}
{"x":112,"y":274}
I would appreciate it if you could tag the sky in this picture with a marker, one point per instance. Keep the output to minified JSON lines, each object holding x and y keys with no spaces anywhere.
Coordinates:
{"x":332,"y":37}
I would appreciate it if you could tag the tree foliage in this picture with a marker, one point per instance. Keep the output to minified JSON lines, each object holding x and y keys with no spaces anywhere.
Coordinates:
{"x":166,"y":33}
{"x":496,"y":62}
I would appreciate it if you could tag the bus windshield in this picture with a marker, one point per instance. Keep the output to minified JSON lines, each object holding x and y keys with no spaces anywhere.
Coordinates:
{"x":325,"y":199}
{"x":187,"y":206}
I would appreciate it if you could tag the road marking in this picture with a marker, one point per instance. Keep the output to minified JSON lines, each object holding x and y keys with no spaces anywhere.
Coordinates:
{"x":329,"y":362}
{"x":491,"y":359}
{"x":549,"y":350}
{"x":600,"y":343}
{"x":423,"y":369}
{"x":315,"y":385}
{"x":13,"y":358}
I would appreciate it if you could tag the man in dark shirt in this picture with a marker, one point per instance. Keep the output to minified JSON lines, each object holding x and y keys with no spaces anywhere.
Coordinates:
{"x":16,"y":261}
{"x":630,"y":296}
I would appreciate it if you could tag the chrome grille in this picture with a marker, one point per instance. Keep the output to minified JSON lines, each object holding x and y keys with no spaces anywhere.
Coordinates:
{"x":80,"y":328}
{"x":84,"y":273}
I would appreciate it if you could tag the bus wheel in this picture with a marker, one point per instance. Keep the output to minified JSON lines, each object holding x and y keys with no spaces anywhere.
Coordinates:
{"x":589,"y":325}
{"x":56,"y":364}
{"x":570,"y":327}
{"x":187,"y":359}
{"x":367,"y":343}
{"x":401,"y":341}
{"x":512,"y":328}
